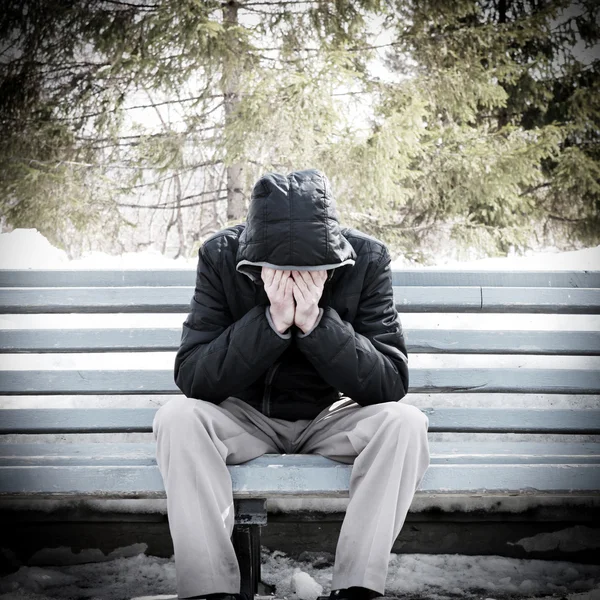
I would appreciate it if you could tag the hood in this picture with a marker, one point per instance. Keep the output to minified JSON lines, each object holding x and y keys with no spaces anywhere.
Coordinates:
{"x":292,"y":223}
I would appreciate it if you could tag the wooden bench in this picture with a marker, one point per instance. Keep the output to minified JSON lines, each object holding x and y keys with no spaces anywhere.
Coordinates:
{"x":73,"y":326}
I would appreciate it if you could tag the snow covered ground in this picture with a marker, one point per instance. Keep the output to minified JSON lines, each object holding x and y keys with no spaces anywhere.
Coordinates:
{"x":129,"y":574}
{"x":28,"y":249}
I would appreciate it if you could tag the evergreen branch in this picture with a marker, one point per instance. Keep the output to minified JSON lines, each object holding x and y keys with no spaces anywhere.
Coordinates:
{"x":58,"y":66}
{"x":566,"y":219}
{"x":534,"y":188}
{"x":56,"y":164}
{"x":320,"y":50}
{"x":130,"y":144}
{"x":166,"y":102}
{"x":132,"y":4}
{"x":143,"y":135}
{"x":398,"y":226}
{"x":278,"y":3}
{"x":169,"y":177}
{"x":177,"y":203}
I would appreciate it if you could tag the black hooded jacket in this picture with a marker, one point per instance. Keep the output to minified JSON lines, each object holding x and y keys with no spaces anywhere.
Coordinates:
{"x":229,"y":346}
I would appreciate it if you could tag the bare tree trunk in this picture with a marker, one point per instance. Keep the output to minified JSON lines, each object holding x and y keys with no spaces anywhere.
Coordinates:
{"x":236,"y":206}
{"x":502,"y":8}
{"x":209,"y":219}
{"x":177,"y":218}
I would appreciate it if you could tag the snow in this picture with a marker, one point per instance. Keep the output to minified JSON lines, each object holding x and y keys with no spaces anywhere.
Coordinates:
{"x":548,"y":259}
{"x":29,"y":249}
{"x":304,"y":586}
{"x":129,"y":573}
{"x":571,"y":539}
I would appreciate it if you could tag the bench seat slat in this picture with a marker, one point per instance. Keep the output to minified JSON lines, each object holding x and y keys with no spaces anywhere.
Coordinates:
{"x":136,"y":453}
{"x":186,"y":277}
{"x":434,"y":380}
{"x":262,"y":478}
{"x":433,"y":341}
{"x":407,"y":299}
{"x":459,"y":420}
{"x":540,"y":300}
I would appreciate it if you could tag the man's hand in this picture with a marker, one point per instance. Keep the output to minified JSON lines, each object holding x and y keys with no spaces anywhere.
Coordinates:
{"x":307,"y":288}
{"x":278,"y":285}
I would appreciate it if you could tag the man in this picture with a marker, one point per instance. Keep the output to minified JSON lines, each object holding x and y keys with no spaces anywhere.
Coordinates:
{"x":292,"y":345}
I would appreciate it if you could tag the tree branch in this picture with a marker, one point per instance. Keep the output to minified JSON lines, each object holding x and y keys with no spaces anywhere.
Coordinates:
{"x":171,"y":205}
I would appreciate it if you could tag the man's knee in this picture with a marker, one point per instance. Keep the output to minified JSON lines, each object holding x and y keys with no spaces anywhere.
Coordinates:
{"x":174,"y":414}
{"x":405,"y":416}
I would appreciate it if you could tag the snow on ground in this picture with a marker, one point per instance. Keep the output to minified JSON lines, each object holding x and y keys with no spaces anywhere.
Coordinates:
{"x":29,"y":249}
{"x":129,"y":574}
{"x":550,"y":259}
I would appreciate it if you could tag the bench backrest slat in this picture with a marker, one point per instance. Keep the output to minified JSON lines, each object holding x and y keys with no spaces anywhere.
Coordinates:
{"x":429,"y":341}
{"x":407,"y":299}
{"x":468,"y":380}
{"x":465,"y":420}
{"x":401,"y":277}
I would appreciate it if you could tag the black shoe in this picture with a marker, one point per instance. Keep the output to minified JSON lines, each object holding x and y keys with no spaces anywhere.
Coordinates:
{"x":351,"y":593}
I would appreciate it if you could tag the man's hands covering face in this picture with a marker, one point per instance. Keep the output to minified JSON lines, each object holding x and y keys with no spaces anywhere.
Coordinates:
{"x":278,"y":285}
{"x":285,"y":287}
{"x":308,"y":288}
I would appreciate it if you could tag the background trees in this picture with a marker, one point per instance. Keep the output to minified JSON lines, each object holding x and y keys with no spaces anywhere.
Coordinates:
{"x":132,"y":124}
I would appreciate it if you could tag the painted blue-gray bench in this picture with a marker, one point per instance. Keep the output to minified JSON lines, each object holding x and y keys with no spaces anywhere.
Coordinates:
{"x":57,"y":319}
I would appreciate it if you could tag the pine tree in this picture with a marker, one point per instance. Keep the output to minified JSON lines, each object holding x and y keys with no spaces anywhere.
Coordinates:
{"x":492,"y":130}
{"x":249,"y":82}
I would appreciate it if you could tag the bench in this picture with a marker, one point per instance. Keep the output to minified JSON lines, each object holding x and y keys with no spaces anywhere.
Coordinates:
{"x":504,"y":364}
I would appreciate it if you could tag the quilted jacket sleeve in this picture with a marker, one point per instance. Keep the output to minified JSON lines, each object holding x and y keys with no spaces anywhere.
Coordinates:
{"x":367,"y":361}
{"x":218,"y":356}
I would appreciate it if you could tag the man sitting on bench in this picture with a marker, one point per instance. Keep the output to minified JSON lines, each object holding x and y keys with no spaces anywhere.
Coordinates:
{"x":292,"y":345}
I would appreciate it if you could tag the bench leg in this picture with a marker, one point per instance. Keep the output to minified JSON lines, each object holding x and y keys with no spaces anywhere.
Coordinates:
{"x":250,"y":515}
{"x":246,"y":541}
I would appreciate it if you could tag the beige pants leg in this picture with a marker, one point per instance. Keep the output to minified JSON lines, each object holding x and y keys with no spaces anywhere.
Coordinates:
{"x":387,"y":444}
{"x":195,"y":440}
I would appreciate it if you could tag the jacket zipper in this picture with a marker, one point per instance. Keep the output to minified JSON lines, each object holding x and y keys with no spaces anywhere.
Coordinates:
{"x":267,"y":392}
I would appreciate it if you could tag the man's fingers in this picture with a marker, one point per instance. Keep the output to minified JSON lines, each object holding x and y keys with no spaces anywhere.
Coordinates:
{"x":267,"y":275}
{"x":277,"y":278}
{"x":303,"y":286}
{"x":308,"y":278}
{"x":313,"y":286}
{"x":303,"y":276}
{"x":299,"y":293}
{"x":289,"y":288}
{"x":285,"y":275}
{"x":317,"y":278}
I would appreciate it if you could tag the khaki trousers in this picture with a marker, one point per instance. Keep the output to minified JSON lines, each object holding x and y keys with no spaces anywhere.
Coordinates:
{"x":196,"y":440}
